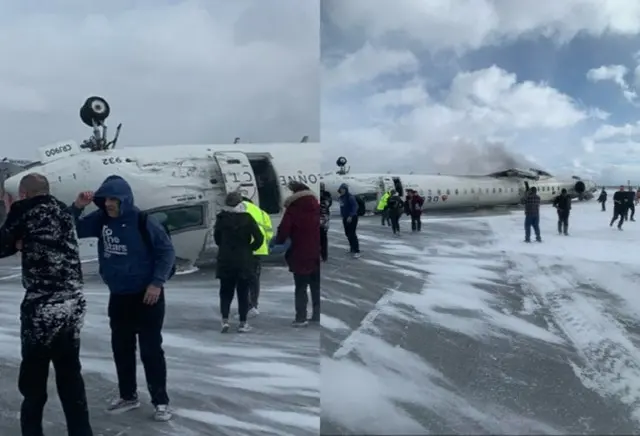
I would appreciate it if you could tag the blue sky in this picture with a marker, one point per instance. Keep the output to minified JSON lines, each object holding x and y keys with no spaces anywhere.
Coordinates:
{"x":499,"y":79}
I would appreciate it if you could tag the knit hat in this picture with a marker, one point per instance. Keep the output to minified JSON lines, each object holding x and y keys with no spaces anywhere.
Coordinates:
{"x":233,"y":199}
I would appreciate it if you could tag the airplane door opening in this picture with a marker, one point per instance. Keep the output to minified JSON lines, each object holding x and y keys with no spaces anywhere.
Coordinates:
{"x":237,"y":174}
{"x":397,"y":184}
{"x":267,"y":183}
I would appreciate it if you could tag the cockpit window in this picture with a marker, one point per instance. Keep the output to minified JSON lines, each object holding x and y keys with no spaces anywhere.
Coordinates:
{"x":180,"y":218}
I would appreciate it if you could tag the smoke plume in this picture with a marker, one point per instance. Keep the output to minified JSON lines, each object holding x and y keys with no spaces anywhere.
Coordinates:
{"x":467,"y":158}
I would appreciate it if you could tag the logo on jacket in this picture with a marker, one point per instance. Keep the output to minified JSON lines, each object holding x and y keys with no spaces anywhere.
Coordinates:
{"x":112,"y":245}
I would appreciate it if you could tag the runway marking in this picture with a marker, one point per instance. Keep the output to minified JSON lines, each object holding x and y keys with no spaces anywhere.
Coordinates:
{"x":366,"y":325}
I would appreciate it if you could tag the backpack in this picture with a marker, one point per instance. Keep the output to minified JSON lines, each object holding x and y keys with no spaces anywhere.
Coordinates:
{"x":362,"y":209}
{"x":146,"y":237}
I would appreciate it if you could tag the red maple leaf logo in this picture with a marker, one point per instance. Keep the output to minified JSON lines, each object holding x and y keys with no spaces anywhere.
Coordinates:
{"x":444,"y":197}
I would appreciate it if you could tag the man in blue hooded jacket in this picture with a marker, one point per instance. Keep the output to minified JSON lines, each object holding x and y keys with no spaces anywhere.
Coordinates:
{"x":135,"y":273}
{"x":349,"y":212}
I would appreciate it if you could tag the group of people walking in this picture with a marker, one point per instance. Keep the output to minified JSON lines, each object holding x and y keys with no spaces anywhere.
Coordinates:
{"x":624,"y":204}
{"x":391,"y":207}
{"x":136,"y":259}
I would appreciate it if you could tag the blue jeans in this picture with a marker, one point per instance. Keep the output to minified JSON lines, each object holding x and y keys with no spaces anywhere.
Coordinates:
{"x":531,"y":221}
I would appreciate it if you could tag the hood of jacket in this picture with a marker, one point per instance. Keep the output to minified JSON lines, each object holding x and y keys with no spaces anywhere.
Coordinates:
{"x":115,"y":187}
{"x":344,"y":187}
{"x":302,"y":200}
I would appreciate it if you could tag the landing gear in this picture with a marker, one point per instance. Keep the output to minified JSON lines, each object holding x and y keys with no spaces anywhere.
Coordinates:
{"x":95,"y":111}
{"x":342,"y":165}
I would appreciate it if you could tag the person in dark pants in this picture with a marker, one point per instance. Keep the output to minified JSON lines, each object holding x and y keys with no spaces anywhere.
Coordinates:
{"x":620,"y":206}
{"x":562,"y":203}
{"x":532,"y":215}
{"x":415,"y":206}
{"x":263,"y":220}
{"x":631,"y":207}
{"x":299,"y":225}
{"x":53,"y":309}
{"x":136,"y":258}
{"x":383,"y":209}
{"x":237,"y":236}
{"x":325,"y":219}
{"x":349,"y":212}
{"x":395,"y":207}
{"x":602,"y":199}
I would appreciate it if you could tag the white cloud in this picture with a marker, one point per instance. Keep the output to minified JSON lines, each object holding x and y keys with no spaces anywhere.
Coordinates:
{"x":386,"y":118}
{"x":369,"y":63}
{"x":470,"y":24}
{"x":615,"y":74}
{"x":478,"y":107}
{"x":173,"y":71}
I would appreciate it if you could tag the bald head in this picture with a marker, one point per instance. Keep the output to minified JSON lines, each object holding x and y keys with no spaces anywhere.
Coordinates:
{"x":34,"y":184}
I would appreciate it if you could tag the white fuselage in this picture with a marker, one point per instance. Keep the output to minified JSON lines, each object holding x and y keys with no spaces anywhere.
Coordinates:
{"x":184,"y":185}
{"x":442,"y":192}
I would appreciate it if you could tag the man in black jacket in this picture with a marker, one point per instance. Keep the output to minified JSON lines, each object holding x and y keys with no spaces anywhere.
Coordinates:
{"x":325,"y":218}
{"x":53,"y":309}
{"x":395,"y":208}
{"x":620,"y":199}
{"x":631,"y":207}
{"x":562,"y":203}
{"x":237,"y":236}
{"x":602,"y":199}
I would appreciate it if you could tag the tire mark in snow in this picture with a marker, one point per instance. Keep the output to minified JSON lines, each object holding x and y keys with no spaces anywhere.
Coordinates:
{"x":610,"y":362}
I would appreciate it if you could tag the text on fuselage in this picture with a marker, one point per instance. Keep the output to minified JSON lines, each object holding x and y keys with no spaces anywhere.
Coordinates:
{"x":57,"y":150}
{"x":304,"y":178}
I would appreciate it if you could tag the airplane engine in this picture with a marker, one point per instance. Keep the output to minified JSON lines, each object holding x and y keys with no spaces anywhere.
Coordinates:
{"x":581,"y":189}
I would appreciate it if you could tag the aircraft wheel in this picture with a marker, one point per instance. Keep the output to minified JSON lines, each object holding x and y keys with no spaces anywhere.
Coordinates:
{"x":94,"y":109}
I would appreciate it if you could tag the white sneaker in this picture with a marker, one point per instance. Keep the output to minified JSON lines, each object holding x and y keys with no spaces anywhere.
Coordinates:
{"x":356,"y":255}
{"x":252,"y":313}
{"x":162,"y":413}
{"x":225,"y":326}
{"x":244,"y":328}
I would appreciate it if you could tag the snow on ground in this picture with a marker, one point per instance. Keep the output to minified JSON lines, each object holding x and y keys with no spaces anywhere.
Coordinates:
{"x":262,"y":383}
{"x":466,"y":329}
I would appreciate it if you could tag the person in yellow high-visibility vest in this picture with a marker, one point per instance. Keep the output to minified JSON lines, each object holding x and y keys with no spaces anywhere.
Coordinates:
{"x":382,"y":208}
{"x":263,"y":220}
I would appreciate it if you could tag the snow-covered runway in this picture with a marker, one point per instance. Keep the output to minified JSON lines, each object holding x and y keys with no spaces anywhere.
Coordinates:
{"x":466,"y":329}
{"x":261,"y":383}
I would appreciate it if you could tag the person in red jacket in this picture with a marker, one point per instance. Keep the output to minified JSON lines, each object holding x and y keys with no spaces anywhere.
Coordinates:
{"x":415,"y":210}
{"x":301,"y":226}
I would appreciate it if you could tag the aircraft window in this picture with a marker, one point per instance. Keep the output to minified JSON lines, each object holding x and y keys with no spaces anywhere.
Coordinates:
{"x":473,"y":191}
{"x":456,"y":191}
{"x":429,"y":192}
{"x":448,"y":192}
{"x":180,"y":218}
{"x":486,"y":190}
{"x":494,"y":190}
{"x":500,"y":190}
{"x":439,"y":192}
{"x":465,"y":192}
